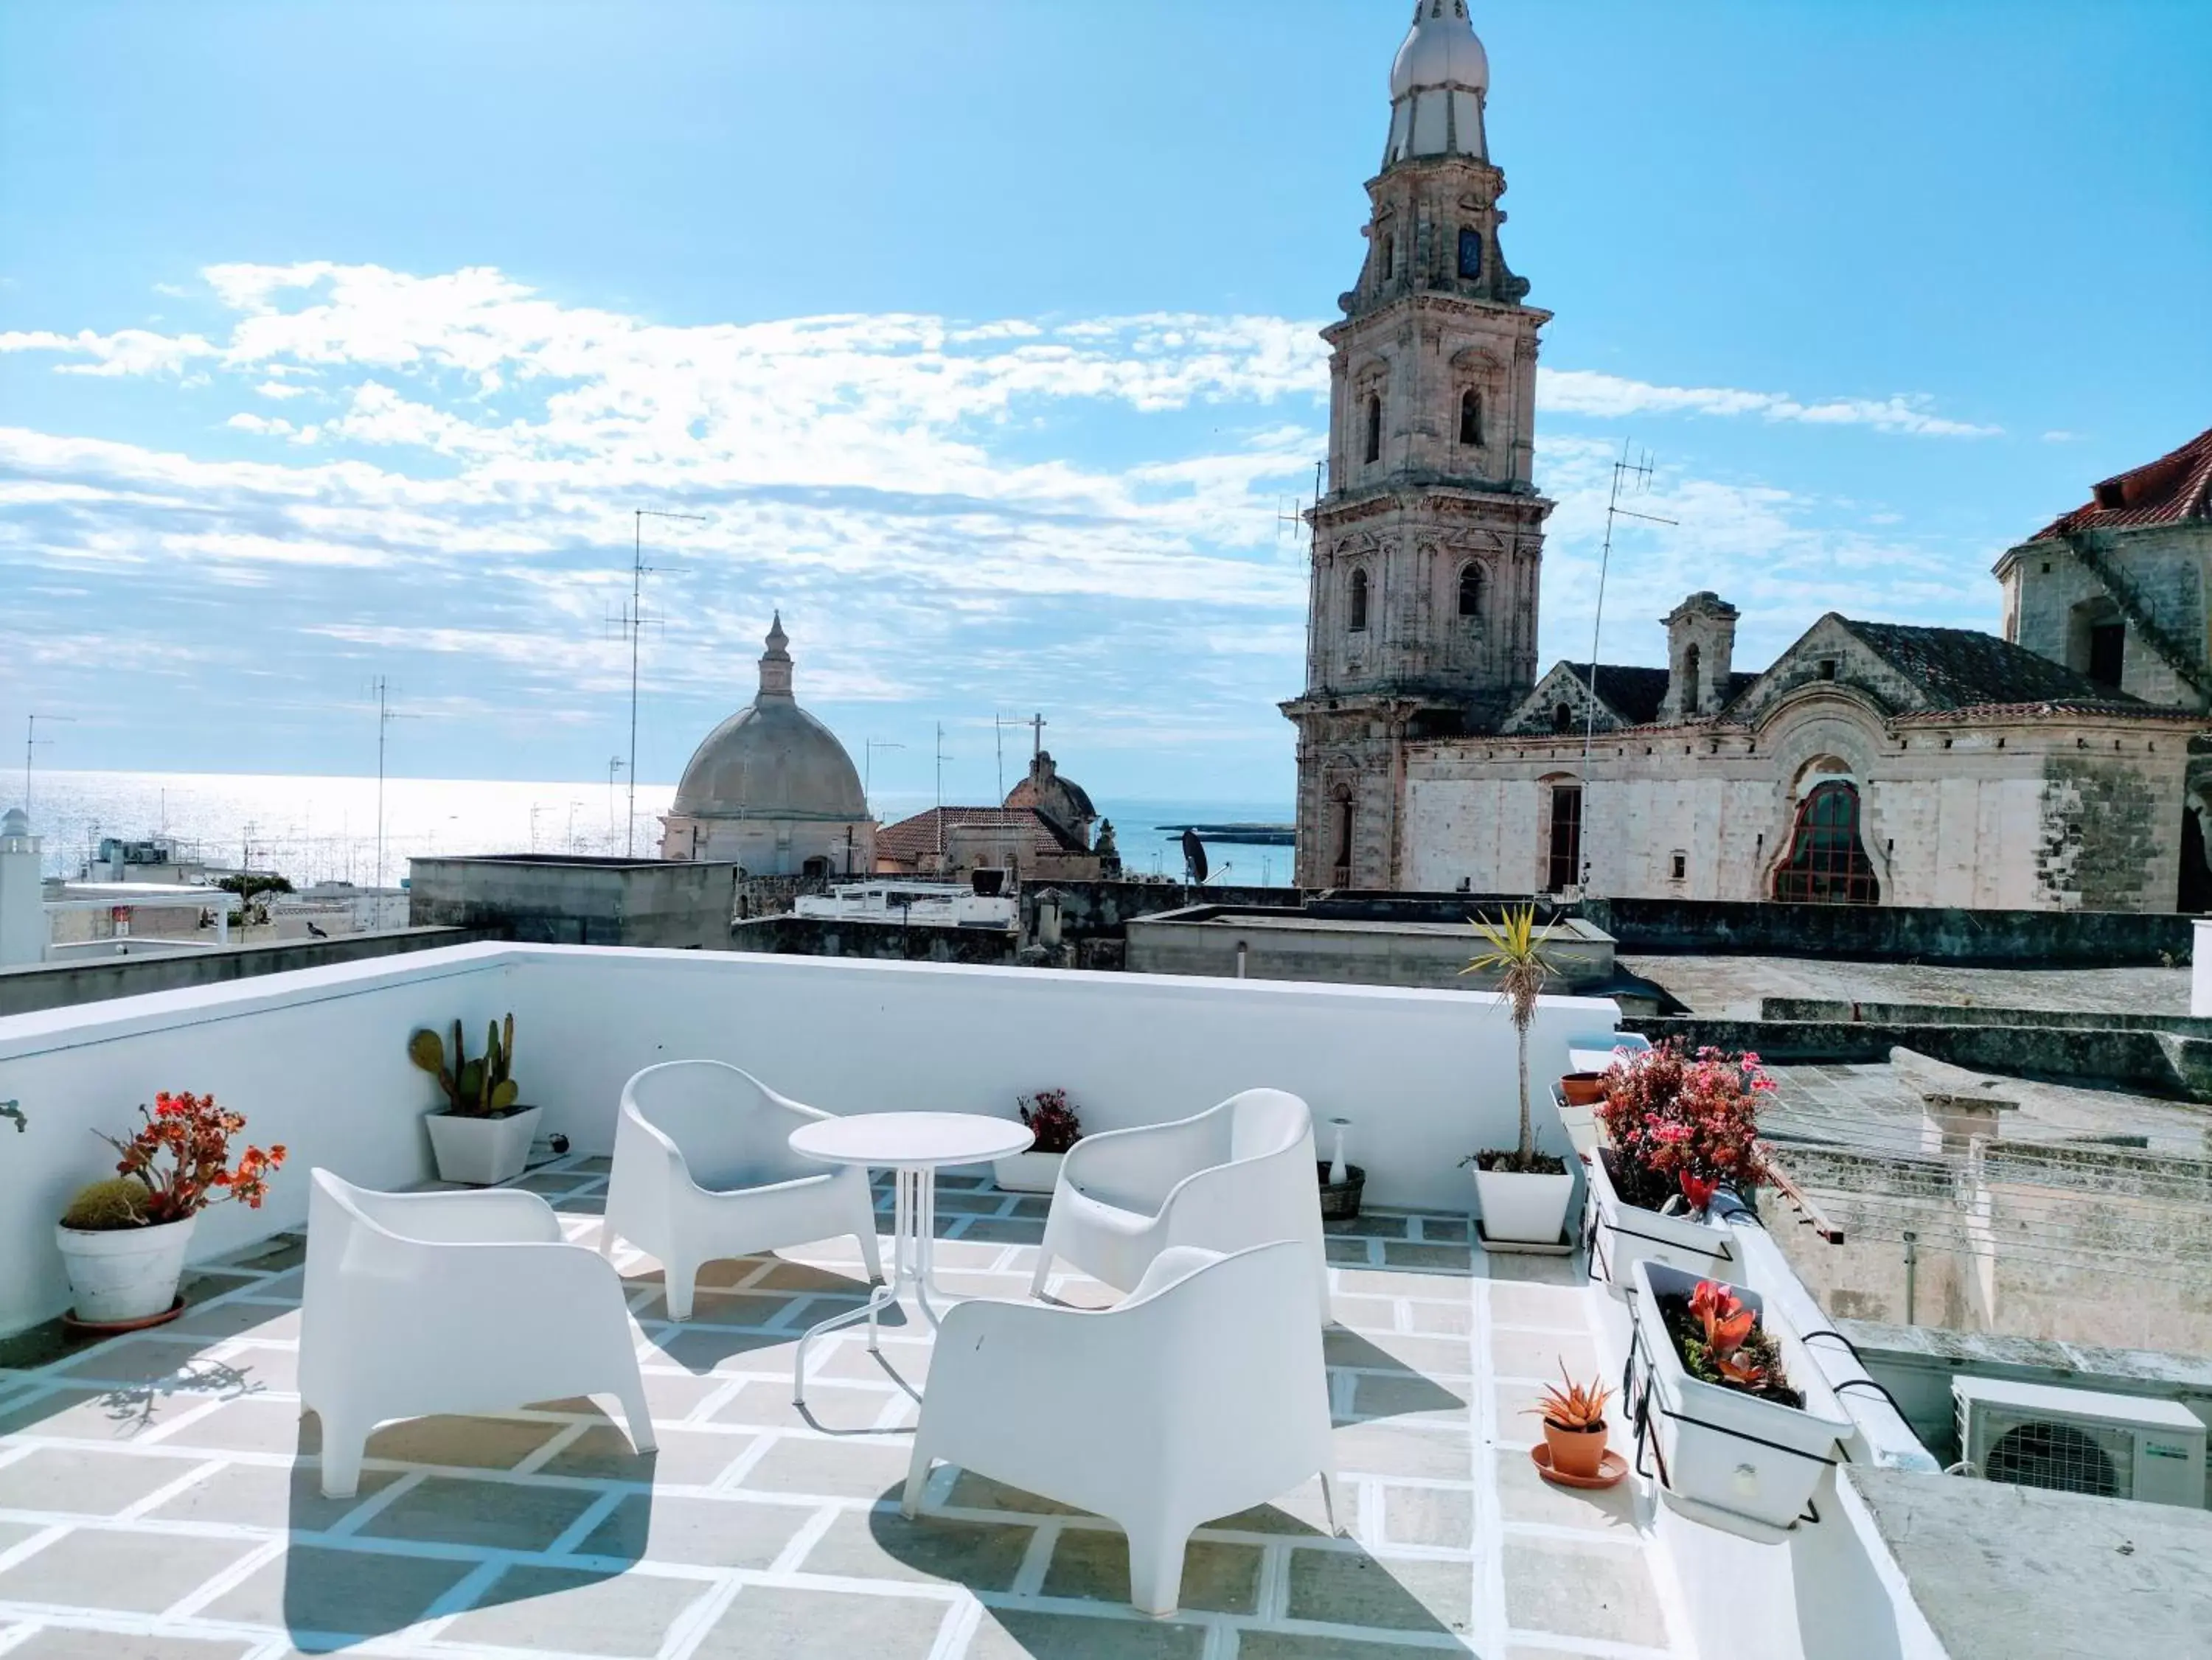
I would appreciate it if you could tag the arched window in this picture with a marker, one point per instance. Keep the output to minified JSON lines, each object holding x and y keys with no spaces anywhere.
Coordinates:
{"x":1470,"y":251}
{"x":1470,"y":417}
{"x":1827,"y":864}
{"x":1563,"y":718}
{"x":1389,"y":258}
{"x":1373,"y":448}
{"x":1690,"y":656}
{"x":1340,"y":810}
{"x":1470,"y":590}
{"x":1358,"y":613}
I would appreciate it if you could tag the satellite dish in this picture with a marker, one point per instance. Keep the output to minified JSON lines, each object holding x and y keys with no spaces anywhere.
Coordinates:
{"x":1193,"y":855}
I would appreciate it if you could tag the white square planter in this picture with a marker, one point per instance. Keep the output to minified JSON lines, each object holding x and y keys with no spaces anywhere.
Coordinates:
{"x":1721,"y":1447}
{"x":1027,"y":1173}
{"x":1521,"y":1209}
{"x":483,"y":1152}
{"x":1628,"y":1234}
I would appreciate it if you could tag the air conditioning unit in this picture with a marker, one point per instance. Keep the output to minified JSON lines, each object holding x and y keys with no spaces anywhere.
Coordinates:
{"x":2076,"y":1440}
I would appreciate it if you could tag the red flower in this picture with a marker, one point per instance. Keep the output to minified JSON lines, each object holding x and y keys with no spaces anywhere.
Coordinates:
{"x":193,"y":1134}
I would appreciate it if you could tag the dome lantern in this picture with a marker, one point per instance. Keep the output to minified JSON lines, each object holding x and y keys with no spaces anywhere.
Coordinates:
{"x":1439,"y":83}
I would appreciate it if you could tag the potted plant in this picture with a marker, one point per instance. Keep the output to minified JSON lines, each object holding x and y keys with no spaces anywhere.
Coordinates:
{"x":1746,"y":1422}
{"x":123,"y":1239}
{"x":1052,"y":1118}
{"x":1679,"y":1127}
{"x":1523,"y":1194}
{"x":483,"y":1136}
{"x":1575,"y":1433}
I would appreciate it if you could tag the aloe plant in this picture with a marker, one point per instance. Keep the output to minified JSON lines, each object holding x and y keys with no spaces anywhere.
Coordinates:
{"x":474,"y":1089}
{"x":1514,"y":951}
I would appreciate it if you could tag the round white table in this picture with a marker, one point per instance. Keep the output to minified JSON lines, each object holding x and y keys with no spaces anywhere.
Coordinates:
{"x":913,"y":1145}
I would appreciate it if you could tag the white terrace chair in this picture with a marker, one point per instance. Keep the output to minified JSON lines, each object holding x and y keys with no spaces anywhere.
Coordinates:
{"x":1241,"y":1174}
{"x":419,"y":1303}
{"x":703,"y":1170}
{"x":1201,"y":1394}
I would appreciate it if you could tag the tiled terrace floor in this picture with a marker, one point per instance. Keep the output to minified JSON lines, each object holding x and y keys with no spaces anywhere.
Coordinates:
{"x":159,"y":1497}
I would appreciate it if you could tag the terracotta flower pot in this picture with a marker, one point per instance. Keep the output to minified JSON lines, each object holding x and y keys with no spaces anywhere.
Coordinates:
{"x":1582,"y":1088}
{"x":1577,"y":1453}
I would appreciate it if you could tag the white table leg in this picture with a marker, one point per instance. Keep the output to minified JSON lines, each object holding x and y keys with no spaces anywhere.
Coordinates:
{"x":913,"y":1226}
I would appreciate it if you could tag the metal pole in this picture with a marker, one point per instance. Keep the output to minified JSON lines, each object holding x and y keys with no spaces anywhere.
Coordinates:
{"x":636,"y":633}
{"x":1912,"y":1275}
{"x":636,"y":590}
{"x":383,"y":725}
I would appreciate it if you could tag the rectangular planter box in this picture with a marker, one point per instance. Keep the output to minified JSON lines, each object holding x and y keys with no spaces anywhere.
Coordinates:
{"x":1720,"y":1447}
{"x":1027,"y":1173}
{"x":1627,"y":1234}
{"x":481,"y":1152}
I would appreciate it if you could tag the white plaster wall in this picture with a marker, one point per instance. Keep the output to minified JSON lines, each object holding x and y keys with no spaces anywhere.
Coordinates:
{"x":317,"y":1060}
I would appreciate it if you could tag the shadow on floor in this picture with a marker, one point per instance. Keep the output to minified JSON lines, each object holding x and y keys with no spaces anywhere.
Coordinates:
{"x":1385,"y":1386}
{"x":1329,"y":1581}
{"x":332,"y":1594}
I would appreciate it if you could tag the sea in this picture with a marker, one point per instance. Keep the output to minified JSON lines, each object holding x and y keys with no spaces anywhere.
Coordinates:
{"x":327,"y":829}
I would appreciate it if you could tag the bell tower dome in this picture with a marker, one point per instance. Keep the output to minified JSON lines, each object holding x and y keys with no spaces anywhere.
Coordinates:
{"x":1428,"y":545}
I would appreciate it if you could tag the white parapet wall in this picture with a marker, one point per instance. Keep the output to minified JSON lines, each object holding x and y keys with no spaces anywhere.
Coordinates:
{"x":317,"y":1060}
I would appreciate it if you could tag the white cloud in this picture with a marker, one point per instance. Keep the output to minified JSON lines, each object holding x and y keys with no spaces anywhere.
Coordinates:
{"x":922,"y":493}
{"x":1587,"y":392}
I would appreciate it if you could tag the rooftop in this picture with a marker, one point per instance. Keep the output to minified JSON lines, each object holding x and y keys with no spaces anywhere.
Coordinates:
{"x":2175,"y":488}
{"x":163,"y":1485}
{"x":163,"y":1488}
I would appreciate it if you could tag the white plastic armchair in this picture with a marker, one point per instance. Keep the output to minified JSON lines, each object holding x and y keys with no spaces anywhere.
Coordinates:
{"x":1201,"y":1394}
{"x":703,"y":1170}
{"x":1241,"y":1174}
{"x":419,"y":1302}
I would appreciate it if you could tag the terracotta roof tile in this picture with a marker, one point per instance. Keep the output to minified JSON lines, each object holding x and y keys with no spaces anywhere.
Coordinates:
{"x":2175,"y":488}
{"x":917,"y":838}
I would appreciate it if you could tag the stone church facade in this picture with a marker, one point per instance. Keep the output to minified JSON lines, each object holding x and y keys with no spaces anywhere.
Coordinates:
{"x":1871,"y":763}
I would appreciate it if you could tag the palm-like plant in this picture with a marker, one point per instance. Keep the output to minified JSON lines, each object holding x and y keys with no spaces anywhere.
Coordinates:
{"x":1513,"y":952}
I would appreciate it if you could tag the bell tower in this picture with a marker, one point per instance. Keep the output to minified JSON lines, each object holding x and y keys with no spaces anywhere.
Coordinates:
{"x":1421,"y":615}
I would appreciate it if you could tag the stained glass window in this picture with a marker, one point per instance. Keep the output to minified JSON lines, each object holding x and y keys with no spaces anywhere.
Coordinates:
{"x":1827,"y":864}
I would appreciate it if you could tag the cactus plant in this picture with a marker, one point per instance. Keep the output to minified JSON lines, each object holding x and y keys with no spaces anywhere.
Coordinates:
{"x":113,"y":1201}
{"x":474,"y":1088}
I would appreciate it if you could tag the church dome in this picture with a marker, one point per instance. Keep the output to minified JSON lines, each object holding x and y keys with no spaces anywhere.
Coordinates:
{"x":771,"y":760}
{"x":1441,"y":49}
{"x":1438,"y":87}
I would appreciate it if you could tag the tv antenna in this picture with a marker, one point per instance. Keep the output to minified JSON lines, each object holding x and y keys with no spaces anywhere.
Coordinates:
{"x":634,"y":622}
{"x":385,"y":714}
{"x":1638,"y":474}
{"x":1292,"y":515}
{"x":868,"y":768}
{"x":941,"y":759}
{"x":31,"y":742}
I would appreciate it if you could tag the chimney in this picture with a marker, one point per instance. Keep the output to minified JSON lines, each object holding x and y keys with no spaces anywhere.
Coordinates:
{"x":1700,"y":653}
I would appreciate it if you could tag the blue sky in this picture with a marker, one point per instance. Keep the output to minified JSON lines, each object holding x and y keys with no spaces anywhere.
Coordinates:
{"x":339,"y":340}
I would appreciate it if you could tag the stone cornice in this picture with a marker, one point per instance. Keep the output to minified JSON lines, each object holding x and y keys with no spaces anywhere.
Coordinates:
{"x":1436,"y":299}
{"x":1436,"y":496}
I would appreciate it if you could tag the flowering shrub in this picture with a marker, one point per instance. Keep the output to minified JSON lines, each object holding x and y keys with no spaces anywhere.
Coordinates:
{"x":1686,"y":1121}
{"x":192,"y":1134}
{"x":1720,"y":1342}
{"x":1052,"y":1119}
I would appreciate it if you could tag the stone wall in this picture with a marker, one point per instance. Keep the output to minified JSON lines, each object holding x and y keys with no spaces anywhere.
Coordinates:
{"x":67,"y":986}
{"x":1886,"y":933}
{"x":2154,"y":1062}
{"x":579,"y":901}
{"x":2079,"y":1243}
{"x":2163,"y":567}
{"x":1926,"y":1013}
{"x":881,"y":942}
{"x":2037,"y":814}
{"x":1097,"y":910}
